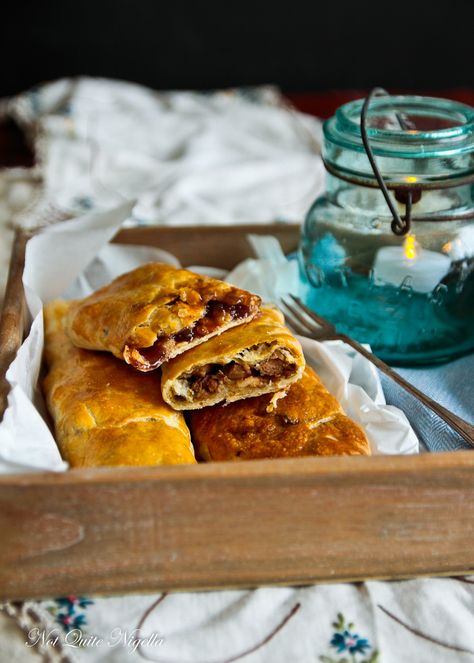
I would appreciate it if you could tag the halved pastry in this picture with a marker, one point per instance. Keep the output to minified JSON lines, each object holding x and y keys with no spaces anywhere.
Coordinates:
{"x":308,"y":420}
{"x":257,"y":358}
{"x":105,"y":412}
{"x":156,"y":312}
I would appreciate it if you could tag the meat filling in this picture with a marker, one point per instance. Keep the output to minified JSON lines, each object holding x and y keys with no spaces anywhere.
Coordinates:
{"x":208,"y":379}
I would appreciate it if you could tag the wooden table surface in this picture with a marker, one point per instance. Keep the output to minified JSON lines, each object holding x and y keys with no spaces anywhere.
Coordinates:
{"x":324,"y":104}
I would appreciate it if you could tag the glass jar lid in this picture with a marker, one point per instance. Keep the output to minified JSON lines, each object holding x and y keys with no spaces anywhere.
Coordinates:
{"x":425,"y":138}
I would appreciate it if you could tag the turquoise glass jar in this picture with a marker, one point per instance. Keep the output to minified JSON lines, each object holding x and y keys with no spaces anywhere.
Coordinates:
{"x":412,"y":296}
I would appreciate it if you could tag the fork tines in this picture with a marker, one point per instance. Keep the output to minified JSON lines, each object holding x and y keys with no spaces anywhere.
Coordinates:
{"x":303,"y":321}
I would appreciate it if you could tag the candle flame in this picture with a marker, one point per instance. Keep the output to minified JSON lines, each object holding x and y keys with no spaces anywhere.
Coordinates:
{"x":409,"y":247}
{"x":446,"y":248}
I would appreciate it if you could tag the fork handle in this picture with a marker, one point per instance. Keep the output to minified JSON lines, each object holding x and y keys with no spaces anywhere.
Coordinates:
{"x":465,"y":430}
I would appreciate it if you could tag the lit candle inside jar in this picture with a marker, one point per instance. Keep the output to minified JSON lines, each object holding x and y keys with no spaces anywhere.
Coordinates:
{"x":419,"y":268}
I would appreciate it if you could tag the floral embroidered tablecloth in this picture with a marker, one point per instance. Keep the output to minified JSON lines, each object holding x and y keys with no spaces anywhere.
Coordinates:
{"x":416,"y":621}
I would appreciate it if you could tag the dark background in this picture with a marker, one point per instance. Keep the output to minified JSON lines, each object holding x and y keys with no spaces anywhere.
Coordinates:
{"x":300,"y":46}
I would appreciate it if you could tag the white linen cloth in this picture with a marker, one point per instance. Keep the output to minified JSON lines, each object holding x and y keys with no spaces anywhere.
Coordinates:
{"x":221,"y":158}
{"x":189,"y":158}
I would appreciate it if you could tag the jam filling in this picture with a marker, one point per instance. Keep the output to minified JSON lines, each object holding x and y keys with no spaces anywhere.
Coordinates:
{"x":215,"y":314}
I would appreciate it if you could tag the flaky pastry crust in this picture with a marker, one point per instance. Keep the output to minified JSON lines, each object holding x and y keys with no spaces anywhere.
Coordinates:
{"x":257,"y":358}
{"x":105,"y":412}
{"x":307,"y":421}
{"x":156,"y":312}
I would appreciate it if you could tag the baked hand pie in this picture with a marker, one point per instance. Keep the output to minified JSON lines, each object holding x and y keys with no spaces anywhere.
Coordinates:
{"x":257,"y":358}
{"x":156,"y":312}
{"x":105,"y":412}
{"x":308,"y":420}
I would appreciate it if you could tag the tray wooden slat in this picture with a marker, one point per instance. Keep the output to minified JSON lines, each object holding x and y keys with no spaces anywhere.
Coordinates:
{"x":208,"y":245}
{"x":12,"y":321}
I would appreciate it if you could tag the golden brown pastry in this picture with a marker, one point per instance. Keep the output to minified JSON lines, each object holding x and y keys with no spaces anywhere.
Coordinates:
{"x":105,"y":412}
{"x":157,"y":311}
{"x":307,"y":421}
{"x":257,"y":358}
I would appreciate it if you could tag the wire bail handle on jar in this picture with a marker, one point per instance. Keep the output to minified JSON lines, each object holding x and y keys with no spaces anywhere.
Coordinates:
{"x":400,"y":224}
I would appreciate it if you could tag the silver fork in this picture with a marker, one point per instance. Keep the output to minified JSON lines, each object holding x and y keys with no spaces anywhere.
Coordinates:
{"x":306,"y":322}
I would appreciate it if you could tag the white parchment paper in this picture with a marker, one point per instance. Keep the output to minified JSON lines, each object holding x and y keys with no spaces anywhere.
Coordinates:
{"x":74,"y":258}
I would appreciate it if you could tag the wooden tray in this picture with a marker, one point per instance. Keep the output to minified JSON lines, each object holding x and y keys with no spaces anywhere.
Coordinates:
{"x":217,"y":525}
